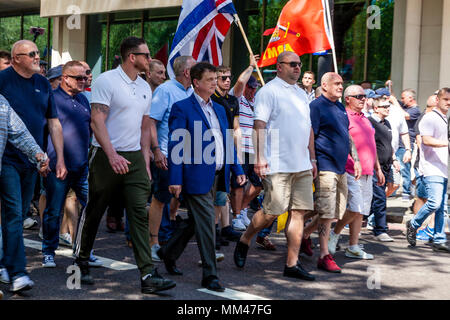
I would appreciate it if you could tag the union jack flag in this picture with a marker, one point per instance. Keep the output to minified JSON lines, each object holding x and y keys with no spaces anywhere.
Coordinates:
{"x":201,"y":30}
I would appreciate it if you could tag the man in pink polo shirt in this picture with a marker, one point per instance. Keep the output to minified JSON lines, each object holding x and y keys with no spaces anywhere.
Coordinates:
{"x":359,"y":191}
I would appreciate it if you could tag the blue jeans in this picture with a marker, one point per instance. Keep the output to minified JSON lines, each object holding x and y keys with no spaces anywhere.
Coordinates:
{"x":437,"y":200}
{"x":405,"y":170}
{"x":378,"y":208}
{"x":167,"y":227}
{"x":16,"y":192}
{"x":56,"y":191}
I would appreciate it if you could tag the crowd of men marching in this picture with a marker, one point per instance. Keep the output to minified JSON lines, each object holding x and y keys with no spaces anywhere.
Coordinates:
{"x":134,"y":138}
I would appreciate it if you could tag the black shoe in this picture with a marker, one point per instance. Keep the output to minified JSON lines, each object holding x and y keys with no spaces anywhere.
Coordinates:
{"x":155,"y":283}
{"x":441,"y":247}
{"x":212,"y":283}
{"x":298,"y":272}
{"x":231,"y":235}
{"x":411,"y":234}
{"x":169,"y":264}
{"x":86,"y":278}
{"x":240,"y":254}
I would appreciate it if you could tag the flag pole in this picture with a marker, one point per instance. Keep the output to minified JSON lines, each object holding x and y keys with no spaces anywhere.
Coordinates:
{"x":238,"y":22}
{"x":330,"y":25}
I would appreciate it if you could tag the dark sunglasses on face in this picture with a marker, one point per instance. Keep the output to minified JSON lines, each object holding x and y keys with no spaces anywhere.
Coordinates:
{"x":359,"y":96}
{"x":293,"y":64}
{"x":385,"y":106}
{"x":31,"y":54}
{"x":146,"y":54}
{"x":78,"y":78}
{"x":224,"y":78}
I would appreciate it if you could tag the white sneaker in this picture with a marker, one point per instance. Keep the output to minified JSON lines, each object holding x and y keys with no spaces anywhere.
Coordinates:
{"x":29,"y":223}
{"x":332,"y":242}
{"x":94,"y":261}
{"x":358,"y":254}
{"x":154,"y":249}
{"x":244,"y":217}
{"x":219,"y":257}
{"x":384,"y":237}
{"x":21,"y":284}
{"x":48,"y":261}
{"x":4,"y":276}
{"x":65,"y":239}
{"x":238,"y":224}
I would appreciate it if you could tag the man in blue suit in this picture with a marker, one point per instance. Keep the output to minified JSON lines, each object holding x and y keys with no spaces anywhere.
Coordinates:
{"x":199,"y":165}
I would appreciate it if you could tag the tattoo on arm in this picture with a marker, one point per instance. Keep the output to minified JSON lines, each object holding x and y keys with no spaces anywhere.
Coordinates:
{"x":353,"y":151}
{"x":100,"y":108}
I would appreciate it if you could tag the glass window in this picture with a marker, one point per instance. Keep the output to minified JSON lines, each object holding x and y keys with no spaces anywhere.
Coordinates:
{"x":9,"y":31}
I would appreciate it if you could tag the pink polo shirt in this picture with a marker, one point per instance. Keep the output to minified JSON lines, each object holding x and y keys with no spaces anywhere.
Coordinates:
{"x":363,"y":135}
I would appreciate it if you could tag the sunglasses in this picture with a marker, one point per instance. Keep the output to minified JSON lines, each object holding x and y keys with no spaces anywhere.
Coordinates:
{"x":224,"y":78}
{"x":359,"y":96}
{"x":31,"y":54}
{"x":78,"y":78}
{"x":293,"y":64}
{"x":146,"y":54}
{"x":384,"y":107}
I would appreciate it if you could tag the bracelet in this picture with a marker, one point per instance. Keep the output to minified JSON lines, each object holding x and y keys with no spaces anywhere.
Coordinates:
{"x":154,"y":148}
{"x":313,"y":160}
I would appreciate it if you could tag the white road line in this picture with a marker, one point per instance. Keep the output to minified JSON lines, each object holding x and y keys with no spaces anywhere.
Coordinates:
{"x":107,"y":263}
{"x":233,"y":295}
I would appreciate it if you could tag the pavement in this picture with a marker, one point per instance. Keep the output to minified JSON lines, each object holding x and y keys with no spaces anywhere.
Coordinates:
{"x":397,"y":272}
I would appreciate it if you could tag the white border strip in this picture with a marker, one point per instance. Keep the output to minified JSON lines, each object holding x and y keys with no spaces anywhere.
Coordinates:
{"x":107,"y":263}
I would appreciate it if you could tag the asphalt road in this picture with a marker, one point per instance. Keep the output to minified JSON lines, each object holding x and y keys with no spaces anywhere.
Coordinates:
{"x":398,"y":272}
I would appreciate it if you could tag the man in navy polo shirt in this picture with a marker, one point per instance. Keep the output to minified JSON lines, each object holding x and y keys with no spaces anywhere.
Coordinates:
{"x":75,"y":117}
{"x":31,"y":97}
{"x":330,"y":123}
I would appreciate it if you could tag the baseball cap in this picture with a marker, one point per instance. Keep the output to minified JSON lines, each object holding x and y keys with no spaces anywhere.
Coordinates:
{"x":252,"y":82}
{"x":382,"y":92}
{"x":370,"y":94}
{"x":54,"y":72}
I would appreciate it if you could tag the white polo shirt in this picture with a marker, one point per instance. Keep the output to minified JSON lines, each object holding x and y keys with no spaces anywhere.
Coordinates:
{"x":128,"y":102}
{"x":433,"y":161}
{"x":285,"y":110}
{"x":398,"y":123}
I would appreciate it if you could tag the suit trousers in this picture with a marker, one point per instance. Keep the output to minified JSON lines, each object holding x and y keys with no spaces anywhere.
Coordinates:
{"x":201,"y":222}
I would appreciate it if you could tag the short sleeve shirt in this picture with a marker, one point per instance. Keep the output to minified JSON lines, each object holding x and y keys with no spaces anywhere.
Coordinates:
{"x":75,"y":117}
{"x":32,"y":99}
{"x":128,"y":101}
{"x":363,"y":135}
{"x":398,"y":125}
{"x":284,"y":108}
{"x":414,"y":114}
{"x":332,"y":140}
{"x":163,"y":98}
{"x":434,"y":161}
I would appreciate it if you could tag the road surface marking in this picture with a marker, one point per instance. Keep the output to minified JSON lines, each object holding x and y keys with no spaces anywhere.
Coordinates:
{"x":233,"y":294}
{"x":107,"y":263}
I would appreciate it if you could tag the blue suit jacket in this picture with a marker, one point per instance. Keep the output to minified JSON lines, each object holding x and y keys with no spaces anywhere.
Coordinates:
{"x":187,"y":165}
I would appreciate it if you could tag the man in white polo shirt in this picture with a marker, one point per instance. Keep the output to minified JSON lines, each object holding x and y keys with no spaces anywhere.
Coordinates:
{"x":286,"y":162}
{"x":433,"y":163}
{"x":120,"y":158}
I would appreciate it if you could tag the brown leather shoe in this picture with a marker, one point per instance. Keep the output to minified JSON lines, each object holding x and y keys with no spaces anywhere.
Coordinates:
{"x":265,"y":243}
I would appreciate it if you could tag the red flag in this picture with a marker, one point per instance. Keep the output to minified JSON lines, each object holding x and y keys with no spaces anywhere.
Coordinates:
{"x":163,"y":54}
{"x":300,"y":28}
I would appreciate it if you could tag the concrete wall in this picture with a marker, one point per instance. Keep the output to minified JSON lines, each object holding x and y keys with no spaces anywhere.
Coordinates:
{"x":69,"y":40}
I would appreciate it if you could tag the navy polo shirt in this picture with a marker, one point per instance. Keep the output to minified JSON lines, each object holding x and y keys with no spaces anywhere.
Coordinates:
{"x":332,"y":142}
{"x":32,"y":99}
{"x":75,"y":117}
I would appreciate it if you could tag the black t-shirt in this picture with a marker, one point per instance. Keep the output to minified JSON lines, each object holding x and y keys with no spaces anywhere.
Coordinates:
{"x":383,"y":139}
{"x":414,"y":114}
{"x":231,"y":105}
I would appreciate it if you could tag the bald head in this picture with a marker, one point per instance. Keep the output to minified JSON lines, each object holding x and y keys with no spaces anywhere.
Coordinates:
{"x":432,"y":101}
{"x":286,"y":56}
{"x":25,"y":58}
{"x":289,"y":67}
{"x":19,"y":45}
{"x":332,"y":86}
{"x":353,"y":89}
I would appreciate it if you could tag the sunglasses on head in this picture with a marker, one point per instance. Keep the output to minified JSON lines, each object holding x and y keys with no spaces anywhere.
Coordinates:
{"x":224,"y":78}
{"x":78,"y":78}
{"x":359,"y":96}
{"x":146,"y":54}
{"x":31,"y":54}
{"x":293,"y":64}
